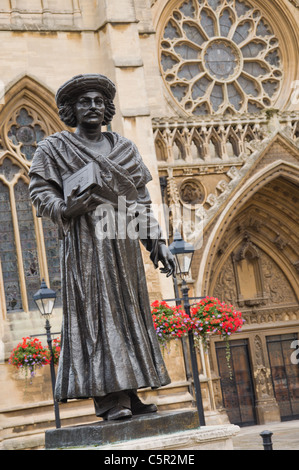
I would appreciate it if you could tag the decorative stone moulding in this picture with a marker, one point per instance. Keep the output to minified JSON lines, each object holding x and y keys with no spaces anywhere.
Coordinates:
{"x":254,"y":134}
{"x":192,"y":192}
{"x":40,"y":15}
{"x":220,"y":56}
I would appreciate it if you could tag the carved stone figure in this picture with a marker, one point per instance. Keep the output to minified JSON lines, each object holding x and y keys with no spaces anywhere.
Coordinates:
{"x":191,"y":192}
{"x":109,"y":344}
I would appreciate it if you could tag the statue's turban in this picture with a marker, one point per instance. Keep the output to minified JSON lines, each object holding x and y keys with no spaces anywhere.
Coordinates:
{"x":83,"y":83}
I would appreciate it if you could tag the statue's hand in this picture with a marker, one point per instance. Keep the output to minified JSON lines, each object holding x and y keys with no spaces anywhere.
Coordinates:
{"x":77,"y":205}
{"x":167,"y":259}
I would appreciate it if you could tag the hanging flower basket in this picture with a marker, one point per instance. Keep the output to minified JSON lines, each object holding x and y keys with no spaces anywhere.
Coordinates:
{"x":170,"y":322}
{"x":208,"y":317}
{"x":213,"y":317}
{"x":29,"y":355}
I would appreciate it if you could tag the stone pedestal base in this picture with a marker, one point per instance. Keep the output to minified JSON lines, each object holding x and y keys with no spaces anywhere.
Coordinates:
{"x":176,"y":430}
{"x":267,"y":411}
{"x":204,"y":438}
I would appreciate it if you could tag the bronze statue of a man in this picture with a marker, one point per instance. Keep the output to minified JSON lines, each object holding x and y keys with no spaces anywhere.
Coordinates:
{"x":109,"y":344}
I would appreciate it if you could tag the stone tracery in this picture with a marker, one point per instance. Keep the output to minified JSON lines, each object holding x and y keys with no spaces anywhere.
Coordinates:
{"x":29,"y":247}
{"x":220,"y":56}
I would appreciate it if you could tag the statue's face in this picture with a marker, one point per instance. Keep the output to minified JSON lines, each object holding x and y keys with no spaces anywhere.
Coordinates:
{"x":90,"y":108}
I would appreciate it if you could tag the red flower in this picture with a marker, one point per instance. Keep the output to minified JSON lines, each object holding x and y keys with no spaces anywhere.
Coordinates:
{"x":29,"y":355}
{"x":209,"y":316}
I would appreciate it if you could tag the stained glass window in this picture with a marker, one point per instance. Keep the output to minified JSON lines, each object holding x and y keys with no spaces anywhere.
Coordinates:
{"x":8,"y":253}
{"x":26,"y":132}
{"x":220,"y":56}
{"x":24,"y":235}
{"x":18,"y":230}
{"x":29,"y":247}
{"x":53,"y":259}
{"x":28,"y":240}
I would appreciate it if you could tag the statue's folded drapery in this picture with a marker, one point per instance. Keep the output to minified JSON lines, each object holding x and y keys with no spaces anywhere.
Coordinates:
{"x":108,"y":339}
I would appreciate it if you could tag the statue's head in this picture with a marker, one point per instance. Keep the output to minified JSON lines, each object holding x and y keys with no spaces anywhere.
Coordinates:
{"x":69,"y":93}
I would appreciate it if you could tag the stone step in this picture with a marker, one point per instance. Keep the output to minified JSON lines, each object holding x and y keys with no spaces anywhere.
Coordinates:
{"x":24,"y":426}
{"x":28,"y":442}
{"x":27,"y":430}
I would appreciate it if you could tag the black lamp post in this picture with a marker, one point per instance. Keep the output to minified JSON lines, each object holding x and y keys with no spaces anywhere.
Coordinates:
{"x":183,"y":253}
{"x":44,"y":299}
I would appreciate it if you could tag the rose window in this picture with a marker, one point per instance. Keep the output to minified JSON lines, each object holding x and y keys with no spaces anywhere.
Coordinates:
{"x":220,"y":56}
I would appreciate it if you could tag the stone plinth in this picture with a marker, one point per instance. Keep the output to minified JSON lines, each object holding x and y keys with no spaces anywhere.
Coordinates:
{"x":164,"y":430}
{"x":204,"y":438}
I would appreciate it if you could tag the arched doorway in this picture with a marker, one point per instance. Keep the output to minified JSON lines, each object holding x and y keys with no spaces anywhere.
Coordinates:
{"x":255,"y":267}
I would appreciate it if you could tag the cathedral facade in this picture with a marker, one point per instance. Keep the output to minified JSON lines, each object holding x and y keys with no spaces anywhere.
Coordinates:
{"x":208,"y":90}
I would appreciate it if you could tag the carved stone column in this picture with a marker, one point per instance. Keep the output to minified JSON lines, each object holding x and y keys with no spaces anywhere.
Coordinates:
{"x":267,"y":408}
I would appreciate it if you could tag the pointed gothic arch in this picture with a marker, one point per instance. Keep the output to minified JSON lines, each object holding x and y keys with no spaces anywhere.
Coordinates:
{"x":28,"y":89}
{"x":196,"y":145}
{"x":258,"y":180}
{"x":32,"y":104}
{"x":232,"y":144}
{"x":161,"y":149}
{"x":28,"y":246}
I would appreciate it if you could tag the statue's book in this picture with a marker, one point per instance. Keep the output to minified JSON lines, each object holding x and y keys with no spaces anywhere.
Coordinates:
{"x":87,"y":178}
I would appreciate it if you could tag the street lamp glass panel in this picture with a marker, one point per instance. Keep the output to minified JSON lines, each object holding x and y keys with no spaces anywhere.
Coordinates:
{"x":45,"y":306}
{"x":183,"y":253}
{"x":45,"y":299}
{"x":184,"y":262}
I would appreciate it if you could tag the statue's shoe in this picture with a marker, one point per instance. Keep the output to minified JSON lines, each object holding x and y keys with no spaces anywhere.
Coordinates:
{"x":140,"y":408}
{"x":118,"y":412}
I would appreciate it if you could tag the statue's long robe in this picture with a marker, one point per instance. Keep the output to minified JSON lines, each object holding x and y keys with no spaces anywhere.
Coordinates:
{"x":108,"y":339}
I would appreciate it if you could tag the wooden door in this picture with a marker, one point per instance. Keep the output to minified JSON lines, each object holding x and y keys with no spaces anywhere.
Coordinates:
{"x":237,"y":386}
{"x":285,"y":374}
